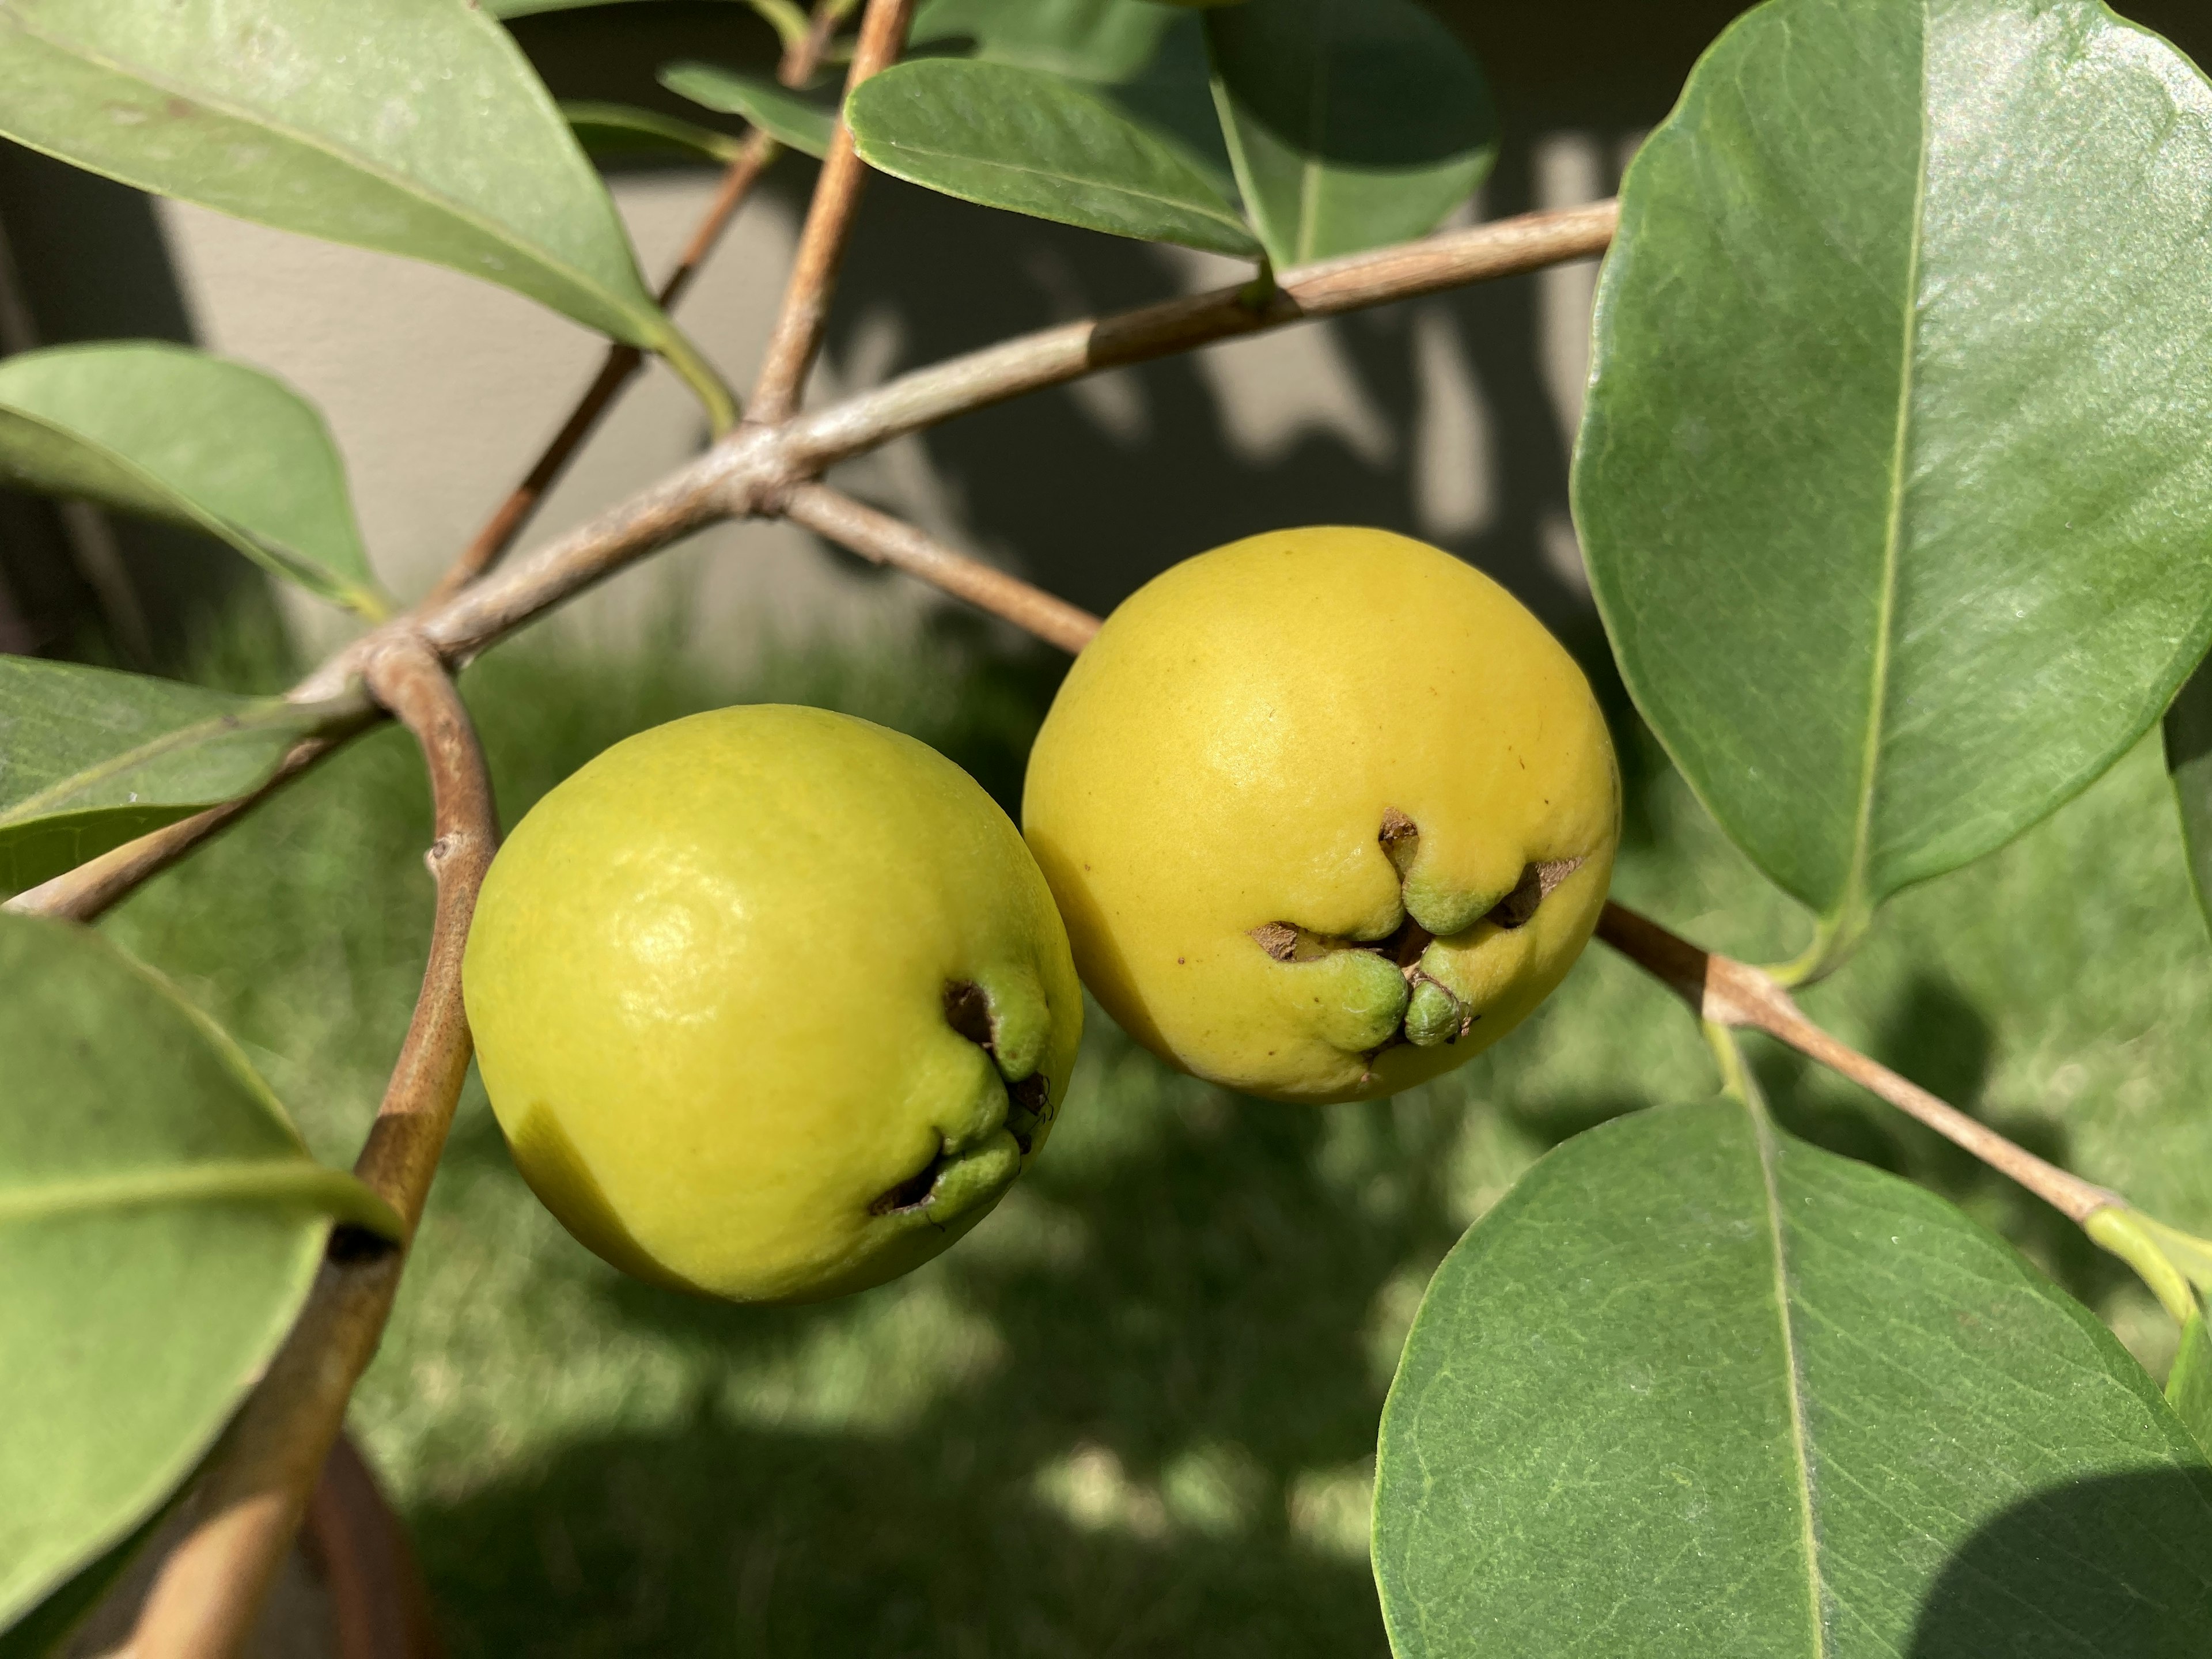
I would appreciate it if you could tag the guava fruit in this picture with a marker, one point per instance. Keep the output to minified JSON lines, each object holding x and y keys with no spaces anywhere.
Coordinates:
{"x":1327,"y":812}
{"x":771,"y":1003}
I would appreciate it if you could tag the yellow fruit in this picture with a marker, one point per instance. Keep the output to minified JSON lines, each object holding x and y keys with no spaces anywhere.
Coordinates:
{"x":1326,"y":810}
{"x":771,"y":1003}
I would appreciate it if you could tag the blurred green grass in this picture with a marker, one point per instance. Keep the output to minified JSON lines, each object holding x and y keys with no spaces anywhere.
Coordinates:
{"x":1133,"y":1412}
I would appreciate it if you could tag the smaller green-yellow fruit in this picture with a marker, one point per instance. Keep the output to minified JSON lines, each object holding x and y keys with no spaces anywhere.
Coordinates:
{"x":771,"y":1003}
{"x":1327,"y":811}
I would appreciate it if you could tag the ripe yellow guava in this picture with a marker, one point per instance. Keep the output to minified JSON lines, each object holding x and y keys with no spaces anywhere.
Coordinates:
{"x":771,"y":1003}
{"x":1326,"y":810}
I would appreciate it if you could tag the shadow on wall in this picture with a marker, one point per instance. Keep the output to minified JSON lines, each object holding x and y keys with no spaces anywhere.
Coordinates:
{"x":84,"y":258}
{"x":1446,"y":418}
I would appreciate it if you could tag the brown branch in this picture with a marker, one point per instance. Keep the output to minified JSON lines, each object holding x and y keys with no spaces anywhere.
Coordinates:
{"x":1053,"y":356}
{"x":805,"y":314}
{"x":753,"y":465}
{"x":885,"y":540}
{"x":799,"y":63}
{"x":1728,"y":993}
{"x":248,"y":1505}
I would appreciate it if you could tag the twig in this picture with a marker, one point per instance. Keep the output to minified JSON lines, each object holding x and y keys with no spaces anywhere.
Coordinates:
{"x":249,"y":1503}
{"x":879,"y":537}
{"x":1727,"y":992}
{"x":800,"y":59}
{"x":753,"y":464}
{"x":1053,"y":356}
{"x":805,"y":314}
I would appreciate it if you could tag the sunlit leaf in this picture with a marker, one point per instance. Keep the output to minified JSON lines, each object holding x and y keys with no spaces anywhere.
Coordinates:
{"x":794,"y":119}
{"x":1893,"y":482}
{"x":413,"y":126}
{"x":1697,"y":1390}
{"x":90,"y":758}
{"x":1033,"y":143}
{"x":173,"y":433}
{"x":159,"y":1223}
{"x":1352,"y":123}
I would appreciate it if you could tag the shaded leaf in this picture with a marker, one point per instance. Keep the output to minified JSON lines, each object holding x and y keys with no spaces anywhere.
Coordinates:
{"x":90,"y":758}
{"x":794,"y":119}
{"x":173,"y":433}
{"x":624,"y":130}
{"x":1893,"y":480}
{"x":1352,"y":124}
{"x":160,"y":1225}
{"x":1695,"y":1388}
{"x":413,"y":126}
{"x":2189,"y":763}
{"x":1033,"y":143}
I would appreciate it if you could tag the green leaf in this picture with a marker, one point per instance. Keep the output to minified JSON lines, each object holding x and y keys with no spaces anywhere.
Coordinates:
{"x":624,"y":130}
{"x":2188,"y":1385}
{"x":1695,"y":1389}
{"x":173,"y":433}
{"x":1033,"y":143}
{"x":1103,"y":41}
{"x":413,"y":126}
{"x":90,"y":758}
{"x":1893,"y":480}
{"x":2189,"y":763}
{"x":792,"y":119}
{"x":1352,"y":123}
{"x":159,"y":1225}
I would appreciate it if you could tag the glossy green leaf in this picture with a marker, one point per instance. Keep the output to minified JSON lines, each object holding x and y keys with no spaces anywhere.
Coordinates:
{"x":1352,"y":123}
{"x":1033,"y":143}
{"x":90,"y":758}
{"x":619,"y":130}
{"x":1103,"y":41}
{"x":160,"y":1225}
{"x":413,"y":126}
{"x":2189,"y":763}
{"x":794,"y":119}
{"x":1893,"y":481}
{"x":173,"y":433}
{"x":1695,"y":1389}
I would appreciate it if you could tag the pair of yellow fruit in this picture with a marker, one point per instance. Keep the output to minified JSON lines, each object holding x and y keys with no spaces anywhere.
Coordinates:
{"x":774,"y":1004}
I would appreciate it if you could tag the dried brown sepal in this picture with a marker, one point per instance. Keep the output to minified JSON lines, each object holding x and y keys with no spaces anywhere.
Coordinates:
{"x":1518,"y":907}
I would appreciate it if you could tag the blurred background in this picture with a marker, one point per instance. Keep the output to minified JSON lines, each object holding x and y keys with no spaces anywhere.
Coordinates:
{"x":1135,"y":1413}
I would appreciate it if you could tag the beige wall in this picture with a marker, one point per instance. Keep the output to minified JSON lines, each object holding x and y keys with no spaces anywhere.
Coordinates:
{"x":440,"y":391}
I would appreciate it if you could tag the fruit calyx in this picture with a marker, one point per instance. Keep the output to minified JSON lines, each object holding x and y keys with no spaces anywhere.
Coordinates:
{"x":968,"y":1012}
{"x":1431,"y":1014}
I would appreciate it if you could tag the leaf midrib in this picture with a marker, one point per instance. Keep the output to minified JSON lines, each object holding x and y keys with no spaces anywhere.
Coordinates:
{"x":398,"y":182}
{"x":254,"y":719}
{"x":292,"y":1183}
{"x":1196,"y":208}
{"x":1799,"y":1442}
{"x":1855,"y":885}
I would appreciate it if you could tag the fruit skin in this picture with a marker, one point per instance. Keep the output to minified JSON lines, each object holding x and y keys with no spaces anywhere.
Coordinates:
{"x":707,"y":979}
{"x":1228,"y":755}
